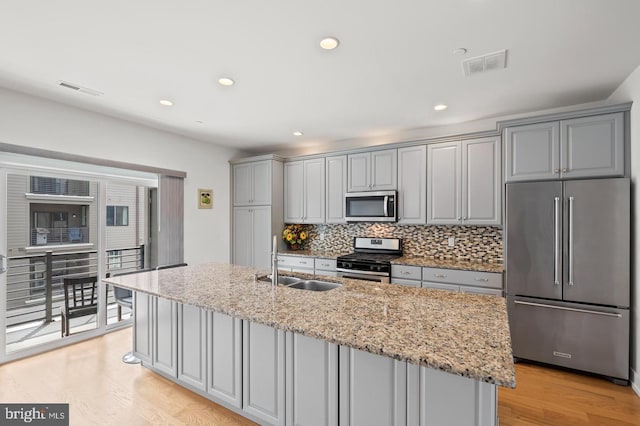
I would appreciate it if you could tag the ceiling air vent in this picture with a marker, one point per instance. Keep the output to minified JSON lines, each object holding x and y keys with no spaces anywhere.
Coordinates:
{"x":488,"y":62}
{"x":79,"y":88}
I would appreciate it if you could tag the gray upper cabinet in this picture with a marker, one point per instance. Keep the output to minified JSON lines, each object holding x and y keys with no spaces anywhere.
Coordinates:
{"x":568,"y":149}
{"x":252,"y":183}
{"x":481,"y":182}
{"x":336,"y":186}
{"x":592,"y":146}
{"x":412,"y":185}
{"x":464,"y":182}
{"x":369,"y":171}
{"x":532,"y":152}
{"x":293,"y":192}
{"x":444,"y":185}
{"x":304,"y":191}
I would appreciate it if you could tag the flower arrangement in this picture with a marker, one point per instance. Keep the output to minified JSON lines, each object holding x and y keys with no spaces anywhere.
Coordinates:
{"x":294,"y":235}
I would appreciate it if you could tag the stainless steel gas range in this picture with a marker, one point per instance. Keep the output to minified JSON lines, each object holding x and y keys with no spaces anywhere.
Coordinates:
{"x":371,"y":259}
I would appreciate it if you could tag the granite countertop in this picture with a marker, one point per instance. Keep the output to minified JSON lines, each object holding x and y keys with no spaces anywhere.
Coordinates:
{"x":463,"y":334}
{"x":465,"y":265}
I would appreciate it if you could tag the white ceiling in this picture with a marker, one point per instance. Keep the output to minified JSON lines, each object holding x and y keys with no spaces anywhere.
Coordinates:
{"x":393,"y":65}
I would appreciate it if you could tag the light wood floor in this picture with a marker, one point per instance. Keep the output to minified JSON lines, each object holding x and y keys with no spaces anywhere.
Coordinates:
{"x":546,"y":396}
{"x":102,"y":390}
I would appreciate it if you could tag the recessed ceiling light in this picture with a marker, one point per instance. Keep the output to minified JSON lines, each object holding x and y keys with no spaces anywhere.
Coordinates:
{"x":166,"y":102}
{"x":298,"y":133}
{"x":440,"y":107}
{"x":226,"y":81}
{"x":329,"y":43}
{"x":459,"y":51}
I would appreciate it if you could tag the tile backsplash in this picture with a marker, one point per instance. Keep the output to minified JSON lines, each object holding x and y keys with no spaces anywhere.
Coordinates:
{"x":473,"y":243}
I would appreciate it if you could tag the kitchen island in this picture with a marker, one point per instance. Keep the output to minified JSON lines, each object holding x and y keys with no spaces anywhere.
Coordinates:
{"x":362,"y":353}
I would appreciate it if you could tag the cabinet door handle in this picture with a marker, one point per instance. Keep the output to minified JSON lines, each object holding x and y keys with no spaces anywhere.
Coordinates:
{"x":556,"y":171}
{"x":565,"y":170}
{"x":570,"y":241}
{"x":440,"y":275}
{"x":464,"y":218}
{"x":486,"y":280}
{"x":556,"y":242}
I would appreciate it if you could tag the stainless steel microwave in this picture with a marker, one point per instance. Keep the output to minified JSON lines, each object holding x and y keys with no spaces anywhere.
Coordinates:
{"x":373,"y":206}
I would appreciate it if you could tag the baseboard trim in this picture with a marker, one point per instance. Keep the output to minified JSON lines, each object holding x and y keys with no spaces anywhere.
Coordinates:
{"x":634,"y":382}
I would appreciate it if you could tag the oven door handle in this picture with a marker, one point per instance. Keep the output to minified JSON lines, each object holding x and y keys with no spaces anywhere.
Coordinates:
{"x":356,"y":271}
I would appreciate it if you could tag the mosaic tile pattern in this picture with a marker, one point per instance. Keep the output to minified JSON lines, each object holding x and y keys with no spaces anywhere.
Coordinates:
{"x":472,"y":243}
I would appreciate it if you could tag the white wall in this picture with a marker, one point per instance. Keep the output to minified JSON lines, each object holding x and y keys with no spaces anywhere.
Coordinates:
{"x":629,"y":90}
{"x":35,"y":122}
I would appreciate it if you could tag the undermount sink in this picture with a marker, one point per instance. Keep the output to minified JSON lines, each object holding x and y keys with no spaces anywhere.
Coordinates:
{"x":287,"y":280}
{"x":314,"y":285}
{"x":302,"y":284}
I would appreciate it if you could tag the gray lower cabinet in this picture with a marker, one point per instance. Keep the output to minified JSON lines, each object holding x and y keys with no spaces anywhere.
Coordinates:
{"x":164,"y":328}
{"x":263,"y":372}
{"x":438,"y":398}
{"x":224,"y":368}
{"x":326,"y":267}
{"x":280,"y":378}
{"x":192,"y":351}
{"x":373,"y":389}
{"x":312,"y":381}
{"x":142,"y":336}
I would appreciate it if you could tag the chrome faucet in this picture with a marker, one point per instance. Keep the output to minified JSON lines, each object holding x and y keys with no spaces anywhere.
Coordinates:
{"x":274,"y":262}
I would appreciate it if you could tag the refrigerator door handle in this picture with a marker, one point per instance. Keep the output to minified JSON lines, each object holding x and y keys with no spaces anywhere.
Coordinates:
{"x":570,"y":241}
{"x":556,"y":241}
{"x":565,"y":308}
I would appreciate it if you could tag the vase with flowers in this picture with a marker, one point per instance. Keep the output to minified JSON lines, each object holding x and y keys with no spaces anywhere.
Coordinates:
{"x":295,"y":236}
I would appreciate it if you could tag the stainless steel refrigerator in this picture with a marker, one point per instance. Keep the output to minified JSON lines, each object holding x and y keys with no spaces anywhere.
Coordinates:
{"x":568,"y":274}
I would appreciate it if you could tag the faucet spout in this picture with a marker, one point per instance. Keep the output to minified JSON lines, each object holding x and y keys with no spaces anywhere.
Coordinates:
{"x":274,"y":262}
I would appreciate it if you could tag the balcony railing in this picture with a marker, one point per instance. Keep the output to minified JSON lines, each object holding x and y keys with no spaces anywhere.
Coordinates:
{"x":35,"y":283}
{"x":58,"y":236}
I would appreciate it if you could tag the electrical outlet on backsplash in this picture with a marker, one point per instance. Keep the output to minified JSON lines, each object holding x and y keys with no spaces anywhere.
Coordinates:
{"x":473,"y":243}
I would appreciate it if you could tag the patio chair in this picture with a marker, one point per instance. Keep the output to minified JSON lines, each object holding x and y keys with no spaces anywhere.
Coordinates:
{"x":80,"y":299}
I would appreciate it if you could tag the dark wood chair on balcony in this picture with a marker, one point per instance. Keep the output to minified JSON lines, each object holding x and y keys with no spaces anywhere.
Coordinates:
{"x":80,"y":299}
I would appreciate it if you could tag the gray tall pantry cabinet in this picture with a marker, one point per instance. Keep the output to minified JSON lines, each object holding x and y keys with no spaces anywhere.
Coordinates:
{"x":257,"y":209}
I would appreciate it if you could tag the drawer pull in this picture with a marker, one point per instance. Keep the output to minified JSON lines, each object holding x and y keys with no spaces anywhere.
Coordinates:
{"x":565,"y":308}
{"x":440,"y":275}
{"x":303,"y":263}
{"x":486,"y":280}
{"x":406,"y":273}
{"x":325,"y":264}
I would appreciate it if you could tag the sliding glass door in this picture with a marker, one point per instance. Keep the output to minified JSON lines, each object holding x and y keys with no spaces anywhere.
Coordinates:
{"x":60,"y":229}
